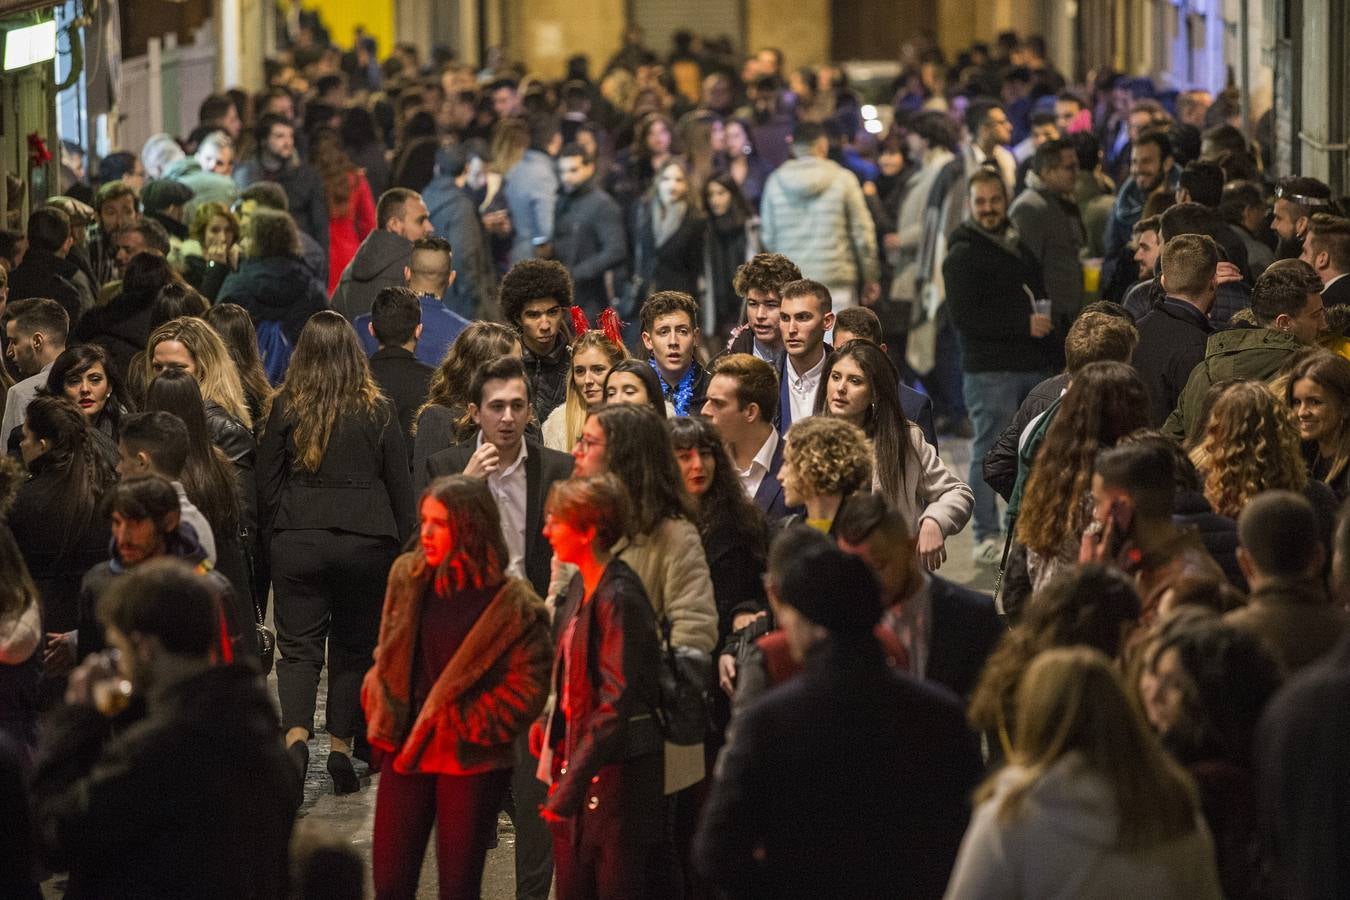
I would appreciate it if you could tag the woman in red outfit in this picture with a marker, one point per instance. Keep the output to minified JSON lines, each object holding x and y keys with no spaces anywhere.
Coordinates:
{"x":351,"y":208}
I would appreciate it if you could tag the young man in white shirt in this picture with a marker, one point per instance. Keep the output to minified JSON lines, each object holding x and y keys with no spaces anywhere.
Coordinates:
{"x":805,"y":317}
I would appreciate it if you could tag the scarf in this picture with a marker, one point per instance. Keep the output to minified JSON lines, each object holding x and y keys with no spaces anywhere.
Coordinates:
{"x":679,"y":395}
{"x":666,"y":220}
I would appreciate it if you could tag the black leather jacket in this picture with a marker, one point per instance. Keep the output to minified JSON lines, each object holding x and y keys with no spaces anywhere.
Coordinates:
{"x":611,"y":688}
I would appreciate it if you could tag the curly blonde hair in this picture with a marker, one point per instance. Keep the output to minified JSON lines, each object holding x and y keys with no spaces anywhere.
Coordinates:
{"x":1250,"y":444}
{"x":829,"y":456}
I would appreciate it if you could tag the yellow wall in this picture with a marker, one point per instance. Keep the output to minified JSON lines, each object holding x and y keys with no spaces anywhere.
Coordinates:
{"x":342,"y":16}
{"x":547,"y":32}
{"x":800,"y":28}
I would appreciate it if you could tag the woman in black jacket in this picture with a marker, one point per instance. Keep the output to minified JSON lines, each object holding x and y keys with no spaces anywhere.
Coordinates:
{"x":601,"y":746}
{"x":122,"y":326}
{"x":668,"y":233}
{"x":732,"y":239}
{"x":336,"y":498}
{"x":56,"y":518}
{"x":273,"y":283}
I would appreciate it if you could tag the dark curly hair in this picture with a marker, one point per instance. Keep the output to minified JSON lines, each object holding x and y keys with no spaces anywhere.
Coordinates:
{"x":533,"y":279}
{"x":767,"y":272}
{"x":725,"y":510}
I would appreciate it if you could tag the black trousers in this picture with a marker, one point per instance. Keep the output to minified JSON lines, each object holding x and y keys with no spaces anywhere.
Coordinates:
{"x":464,"y":810}
{"x":534,"y":843}
{"x":329,"y":588}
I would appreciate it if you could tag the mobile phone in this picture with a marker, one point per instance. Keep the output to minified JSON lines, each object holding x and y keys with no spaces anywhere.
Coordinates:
{"x":1122,"y":526}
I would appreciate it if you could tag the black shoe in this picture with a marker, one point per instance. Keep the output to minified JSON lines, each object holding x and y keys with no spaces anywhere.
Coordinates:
{"x":299,"y":754}
{"x":343,"y":775}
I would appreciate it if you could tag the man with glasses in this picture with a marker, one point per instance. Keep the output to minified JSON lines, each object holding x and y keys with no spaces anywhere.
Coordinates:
{"x":1047,"y":219}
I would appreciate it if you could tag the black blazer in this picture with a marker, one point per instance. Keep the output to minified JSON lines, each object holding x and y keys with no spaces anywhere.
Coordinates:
{"x":362,"y":485}
{"x":542,"y":467}
{"x":404,"y":379}
{"x":1337,"y":293}
{"x":966,"y":627}
{"x":769,"y":496}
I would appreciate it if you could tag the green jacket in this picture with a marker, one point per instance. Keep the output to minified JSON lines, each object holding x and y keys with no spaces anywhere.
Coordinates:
{"x":1238,"y":353}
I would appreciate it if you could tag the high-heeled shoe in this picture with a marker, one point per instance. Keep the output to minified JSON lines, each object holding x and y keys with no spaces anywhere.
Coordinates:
{"x":343,"y":774}
{"x":299,"y":754}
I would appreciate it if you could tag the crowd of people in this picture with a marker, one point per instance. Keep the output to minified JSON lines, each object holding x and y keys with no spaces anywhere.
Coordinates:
{"x":586,"y":433}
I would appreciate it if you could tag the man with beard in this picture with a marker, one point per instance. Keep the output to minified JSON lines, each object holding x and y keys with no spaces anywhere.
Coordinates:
{"x":278,"y":160}
{"x":1007,"y":345}
{"x":1152,"y":171}
{"x":1296,"y":199}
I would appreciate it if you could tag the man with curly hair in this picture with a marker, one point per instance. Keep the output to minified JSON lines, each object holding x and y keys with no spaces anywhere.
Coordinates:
{"x":535,"y":295}
{"x":760,"y":283}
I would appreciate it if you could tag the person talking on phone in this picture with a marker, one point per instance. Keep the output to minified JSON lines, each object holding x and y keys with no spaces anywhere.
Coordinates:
{"x":1133,"y":488}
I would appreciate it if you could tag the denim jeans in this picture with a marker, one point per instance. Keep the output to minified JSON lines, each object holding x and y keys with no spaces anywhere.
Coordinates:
{"x":992,"y":398}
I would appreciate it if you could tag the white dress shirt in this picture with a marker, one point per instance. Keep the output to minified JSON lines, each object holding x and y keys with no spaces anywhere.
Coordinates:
{"x":802,"y":388}
{"x":509,"y":489}
{"x":753,"y":476}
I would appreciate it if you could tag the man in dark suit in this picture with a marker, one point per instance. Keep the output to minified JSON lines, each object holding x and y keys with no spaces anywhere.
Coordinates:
{"x":1327,"y":250}
{"x":945,"y":632}
{"x":850,"y":779}
{"x":519,"y":474}
{"x":497,"y":454}
{"x":396,"y":324}
{"x":742,"y":401}
{"x":860,"y":322}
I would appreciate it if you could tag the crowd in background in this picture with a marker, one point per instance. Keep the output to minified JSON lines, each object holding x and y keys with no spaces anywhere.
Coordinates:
{"x":586,"y":433}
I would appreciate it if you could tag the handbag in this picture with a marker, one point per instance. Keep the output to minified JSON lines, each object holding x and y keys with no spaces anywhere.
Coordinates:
{"x":685,"y":681}
{"x":267,"y":643}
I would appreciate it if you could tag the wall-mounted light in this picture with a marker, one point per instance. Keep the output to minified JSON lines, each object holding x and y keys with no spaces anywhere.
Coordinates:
{"x":30,"y":45}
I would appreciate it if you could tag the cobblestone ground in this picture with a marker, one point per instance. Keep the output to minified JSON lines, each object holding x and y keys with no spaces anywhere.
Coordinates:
{"x":351,"y":818}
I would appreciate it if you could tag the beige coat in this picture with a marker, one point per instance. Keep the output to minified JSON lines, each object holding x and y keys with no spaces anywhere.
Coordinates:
{"x":930,"y":490}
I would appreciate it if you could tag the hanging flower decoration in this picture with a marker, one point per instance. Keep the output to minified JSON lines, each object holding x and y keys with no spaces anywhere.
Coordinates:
{"x":38,"y":154}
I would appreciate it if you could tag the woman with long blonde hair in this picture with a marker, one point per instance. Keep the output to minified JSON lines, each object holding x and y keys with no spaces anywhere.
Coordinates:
{"x":337,"y":500}
{"x":1250,"y":444}
{"x":593,"y":355}
{"x":1087,"y":781}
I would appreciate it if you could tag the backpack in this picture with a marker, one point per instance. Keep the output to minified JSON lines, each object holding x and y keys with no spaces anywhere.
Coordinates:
{"x":275,"y":349}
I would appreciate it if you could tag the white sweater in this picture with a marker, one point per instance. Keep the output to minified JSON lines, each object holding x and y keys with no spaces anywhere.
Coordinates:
{"x":1063,"y":845}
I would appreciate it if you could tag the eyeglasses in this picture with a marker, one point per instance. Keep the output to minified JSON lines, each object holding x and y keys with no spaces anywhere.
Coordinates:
{"x":587,"y":443}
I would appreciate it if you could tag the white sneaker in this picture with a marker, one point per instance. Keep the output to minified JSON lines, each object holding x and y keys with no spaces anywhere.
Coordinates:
{"x":988,"y":552}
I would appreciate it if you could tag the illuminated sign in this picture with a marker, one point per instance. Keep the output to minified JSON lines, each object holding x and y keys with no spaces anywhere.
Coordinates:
{"x":27,"y":46}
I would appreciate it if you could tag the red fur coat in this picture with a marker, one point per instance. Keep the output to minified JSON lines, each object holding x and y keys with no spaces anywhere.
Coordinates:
{"x":492,"y":689}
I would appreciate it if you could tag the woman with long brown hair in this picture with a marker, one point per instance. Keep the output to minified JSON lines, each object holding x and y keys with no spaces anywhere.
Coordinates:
{"x":1105,"y":402}
{"x":351,"y":206}
{"x":1319,"y":397}
{"x":337,"y":501}
{"x":1088,"y":779}
{"x":461,"y":669}
{"x":444,"y":419}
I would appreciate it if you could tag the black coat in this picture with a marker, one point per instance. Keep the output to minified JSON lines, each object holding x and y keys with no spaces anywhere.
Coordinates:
{"x":305,"y":195}
{"x":122,"y":328}
{"x":362,"y":485}
{"x":1172,"y":342}
{"x":277,"y":288}
{"x":852,"y":780}
{"x":404,"y":379}
{"x":548,"y":377}
{"x":1000,"y":463}
{"x":1219,"y":534}
{"x":542,"y":468}
{"x":44,"y":274}
{"x":1337,"y":293}
{"x":197,"y":798}
{"x":608,"y":748}
{"x":965,"y":628}
{"x":990,"y":309}
{"x":40,"y":535}
{"x":589,"y":238}
{"x":676,"y":264}
{"x":1302,"y":788}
